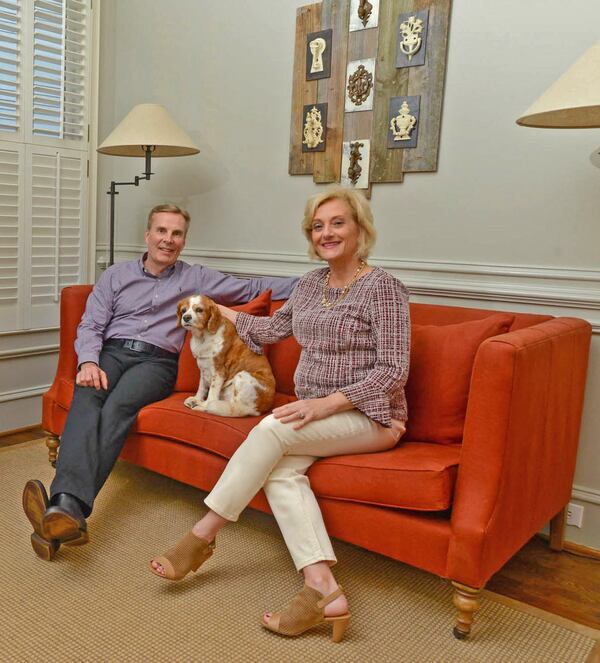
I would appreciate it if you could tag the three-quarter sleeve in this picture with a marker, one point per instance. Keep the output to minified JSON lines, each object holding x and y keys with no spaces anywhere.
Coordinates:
{"x":255,"y":331}
{"x":389,"y":314}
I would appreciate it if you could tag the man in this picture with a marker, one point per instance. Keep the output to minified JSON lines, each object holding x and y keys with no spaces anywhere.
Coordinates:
{"x":127,"y":347}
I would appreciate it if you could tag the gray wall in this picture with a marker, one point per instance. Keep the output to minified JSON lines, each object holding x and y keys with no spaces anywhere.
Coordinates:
{"x":509,"y":221}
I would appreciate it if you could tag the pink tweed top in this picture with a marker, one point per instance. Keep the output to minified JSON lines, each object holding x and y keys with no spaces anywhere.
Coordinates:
{"x":359,"y":347}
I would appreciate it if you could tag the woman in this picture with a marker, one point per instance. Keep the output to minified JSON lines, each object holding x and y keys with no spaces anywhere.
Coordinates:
{"x":352,"y":322}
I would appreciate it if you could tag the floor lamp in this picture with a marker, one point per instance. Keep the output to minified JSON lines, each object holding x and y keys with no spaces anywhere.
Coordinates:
{"x":148,"y":130}
{"x":571,"y":102}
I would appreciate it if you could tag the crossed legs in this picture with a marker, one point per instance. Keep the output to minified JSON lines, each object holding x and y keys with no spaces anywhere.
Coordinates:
{"x":95,"y":431}
{"x":276,"y":457}
{"x":99,"y":420}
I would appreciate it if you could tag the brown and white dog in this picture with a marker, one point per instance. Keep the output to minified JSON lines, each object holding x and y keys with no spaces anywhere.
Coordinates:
{"x":234,"y":381}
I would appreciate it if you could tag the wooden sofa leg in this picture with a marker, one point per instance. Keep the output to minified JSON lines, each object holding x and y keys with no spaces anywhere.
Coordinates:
{"x":466,"y":599}
{"x":52,"y":443}
{"x":557,"y":530}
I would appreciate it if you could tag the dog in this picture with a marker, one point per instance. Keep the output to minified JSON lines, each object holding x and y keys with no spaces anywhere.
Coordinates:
{"x":234,"y":381}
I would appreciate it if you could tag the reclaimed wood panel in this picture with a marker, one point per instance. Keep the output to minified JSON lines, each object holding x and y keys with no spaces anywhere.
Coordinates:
{"x":386,"y":165}
{"x":358,"y":125}
{"x":327,"y":165}
{"x":308,"y":19}
{"x":362,"y":44}
{"x":428,"y":81}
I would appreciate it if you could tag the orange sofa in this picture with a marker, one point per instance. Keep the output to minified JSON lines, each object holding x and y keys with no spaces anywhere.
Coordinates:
{"x":495,"y":403}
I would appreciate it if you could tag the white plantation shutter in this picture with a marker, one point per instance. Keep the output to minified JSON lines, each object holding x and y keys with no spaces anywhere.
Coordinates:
{"x":11,"y":198}
{"x":44,"y":147}
{"x":57,"y":213}
{"x":10,"y":51}
{"x":59,"y":69}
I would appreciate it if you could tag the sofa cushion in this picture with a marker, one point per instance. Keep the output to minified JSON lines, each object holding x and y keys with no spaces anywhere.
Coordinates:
{"x":170,"y":419}
{"x":283,"y":357}
{"x":414,"y":475}
{"x":441,"y":363}
{"x":188,"y":374}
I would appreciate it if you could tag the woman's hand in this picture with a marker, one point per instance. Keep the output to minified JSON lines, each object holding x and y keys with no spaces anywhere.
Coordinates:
{"x":228,"y":313}
{"x":302,"y":412}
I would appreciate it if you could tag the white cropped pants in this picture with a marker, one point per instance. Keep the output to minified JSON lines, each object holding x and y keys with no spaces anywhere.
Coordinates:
{"x":276,"y":457}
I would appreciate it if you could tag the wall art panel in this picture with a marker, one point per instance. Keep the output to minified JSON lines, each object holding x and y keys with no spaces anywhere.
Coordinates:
{"x":375,"y":113}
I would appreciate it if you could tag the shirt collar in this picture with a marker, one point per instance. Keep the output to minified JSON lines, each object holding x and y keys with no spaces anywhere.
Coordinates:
{"x":165,"y":274}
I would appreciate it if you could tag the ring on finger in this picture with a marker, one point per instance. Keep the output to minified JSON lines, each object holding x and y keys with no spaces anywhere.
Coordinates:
{"x":301,"y":415}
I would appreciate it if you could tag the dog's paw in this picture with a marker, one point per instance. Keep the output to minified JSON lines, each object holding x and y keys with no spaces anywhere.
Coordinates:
{"x":191,"y":402}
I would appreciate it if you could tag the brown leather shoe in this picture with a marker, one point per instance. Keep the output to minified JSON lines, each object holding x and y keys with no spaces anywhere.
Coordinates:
{"x":35,"y":503}
{"x":64,"y":520}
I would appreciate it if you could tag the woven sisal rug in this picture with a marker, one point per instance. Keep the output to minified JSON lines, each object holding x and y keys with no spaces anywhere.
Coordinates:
{"x":100,"y":603}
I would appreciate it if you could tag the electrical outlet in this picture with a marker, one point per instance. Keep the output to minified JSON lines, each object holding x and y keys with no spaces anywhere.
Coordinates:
{"x":574,"y":514}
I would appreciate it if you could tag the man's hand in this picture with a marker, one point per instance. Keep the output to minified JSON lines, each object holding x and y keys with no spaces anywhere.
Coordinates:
{"x":91,"y":375}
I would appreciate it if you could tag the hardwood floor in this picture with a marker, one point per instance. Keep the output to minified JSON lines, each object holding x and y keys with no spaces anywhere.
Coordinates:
{"x":563,"y":583}
{"x":560,"y":582}
{"x":10,"y":438}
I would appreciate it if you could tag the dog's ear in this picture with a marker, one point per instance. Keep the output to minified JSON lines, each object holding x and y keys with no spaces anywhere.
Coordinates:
{"x":180,"y":306}
{"x":213,"y":320}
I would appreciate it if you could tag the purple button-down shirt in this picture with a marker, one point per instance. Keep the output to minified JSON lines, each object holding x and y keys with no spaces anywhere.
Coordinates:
{"x":129,"y":302}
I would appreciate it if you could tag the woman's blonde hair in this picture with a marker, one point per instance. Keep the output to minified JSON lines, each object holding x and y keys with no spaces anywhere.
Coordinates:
{"x":361,"y":213}
{"x":167,"y":207}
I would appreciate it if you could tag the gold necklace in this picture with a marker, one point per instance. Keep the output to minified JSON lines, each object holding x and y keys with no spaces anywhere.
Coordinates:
{"x":325,"y":301}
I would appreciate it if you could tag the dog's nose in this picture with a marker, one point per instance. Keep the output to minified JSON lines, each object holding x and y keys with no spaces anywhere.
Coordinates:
{"x":187,"y":317}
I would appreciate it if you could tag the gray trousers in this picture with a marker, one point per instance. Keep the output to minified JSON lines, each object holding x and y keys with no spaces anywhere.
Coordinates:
{"x":99,"y":421}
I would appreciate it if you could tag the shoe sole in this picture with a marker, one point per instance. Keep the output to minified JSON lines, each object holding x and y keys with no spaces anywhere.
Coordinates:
{"x":45,"y":550}
{"x":64,"y":527}
{"x":35,"y":503}
{"x":80,"y":540}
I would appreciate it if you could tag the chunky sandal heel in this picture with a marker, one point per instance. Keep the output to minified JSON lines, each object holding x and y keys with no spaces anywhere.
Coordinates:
{"x":340,"y":624}
{"x":186,"y":556}
{"x":306,"y":611}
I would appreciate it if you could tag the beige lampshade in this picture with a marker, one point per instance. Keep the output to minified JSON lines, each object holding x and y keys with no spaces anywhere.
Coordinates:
{"x":573,"y":101}
{"x":148,"y":124}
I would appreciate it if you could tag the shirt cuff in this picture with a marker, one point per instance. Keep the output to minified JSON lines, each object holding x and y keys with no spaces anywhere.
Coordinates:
{"x":83,"y":358}
{"x":375,"y":406}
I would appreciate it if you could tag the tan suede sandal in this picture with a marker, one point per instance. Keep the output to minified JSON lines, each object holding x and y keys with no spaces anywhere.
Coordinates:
{"x":305,"y":612}
{"x":187,"y":555}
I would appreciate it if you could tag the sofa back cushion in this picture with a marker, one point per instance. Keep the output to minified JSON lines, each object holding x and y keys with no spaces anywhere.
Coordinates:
{"x":441,"y":362}
{"x":188,"y":374}
{"x":439,"y":314}
{"x":283,"y":357}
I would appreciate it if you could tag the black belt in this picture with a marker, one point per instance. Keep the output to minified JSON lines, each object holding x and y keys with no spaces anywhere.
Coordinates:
{"x":142,"y":346}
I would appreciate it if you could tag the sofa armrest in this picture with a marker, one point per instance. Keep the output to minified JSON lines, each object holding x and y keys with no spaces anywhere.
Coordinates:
{"x":72,"y":305}
{"x":520,"y":443}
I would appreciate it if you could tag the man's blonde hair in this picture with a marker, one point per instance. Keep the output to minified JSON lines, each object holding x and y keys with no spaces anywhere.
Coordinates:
{"x":361,"y":213}
{"x":167,"y":207}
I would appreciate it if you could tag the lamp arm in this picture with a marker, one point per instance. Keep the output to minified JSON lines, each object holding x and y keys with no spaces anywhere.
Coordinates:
{"x":148,"y":149}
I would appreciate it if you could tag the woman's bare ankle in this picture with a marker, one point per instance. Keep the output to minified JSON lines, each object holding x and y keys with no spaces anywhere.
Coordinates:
{"x":319,"y":577}
{"x":209,"y":526}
